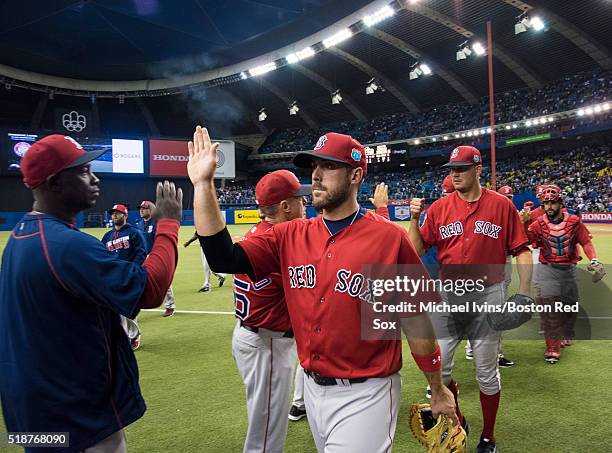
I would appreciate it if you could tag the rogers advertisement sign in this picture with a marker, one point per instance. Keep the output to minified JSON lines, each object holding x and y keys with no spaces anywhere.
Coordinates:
{"x":170,"y":157}
{"x":596,"y":217}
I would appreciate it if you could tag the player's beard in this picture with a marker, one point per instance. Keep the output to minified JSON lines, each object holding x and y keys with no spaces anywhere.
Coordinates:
{"x":119,"y":221}
{"x":332,"y":198}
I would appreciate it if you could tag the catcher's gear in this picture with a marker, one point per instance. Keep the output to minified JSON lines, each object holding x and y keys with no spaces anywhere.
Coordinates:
{"x":551,"y":193}
{"x":506,"y":319}
{"x":437,"y":436}
{"x":598,"y":270}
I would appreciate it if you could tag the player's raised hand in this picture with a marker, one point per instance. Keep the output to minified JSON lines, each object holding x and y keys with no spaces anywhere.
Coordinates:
{"x":202,"y":157}
{"x":416,"y":208}
{"x":381,"y":196}
{"x":169,"y":203}
{"x":525,"y":214}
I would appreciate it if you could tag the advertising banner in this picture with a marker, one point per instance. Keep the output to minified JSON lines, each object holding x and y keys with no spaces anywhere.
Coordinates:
{"x":169,"y":158}
{"x":246,"y":216}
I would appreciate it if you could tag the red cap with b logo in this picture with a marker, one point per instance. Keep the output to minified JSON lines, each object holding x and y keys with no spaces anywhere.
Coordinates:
{"x":464,"y":156}
{"x":278,"y":186}
{"x":337,"y":148}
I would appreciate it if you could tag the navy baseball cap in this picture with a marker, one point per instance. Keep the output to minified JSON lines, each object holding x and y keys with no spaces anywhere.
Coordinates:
{"x":52,"y":154}
{"x":335,"y":147}
{"x":464,"y":156}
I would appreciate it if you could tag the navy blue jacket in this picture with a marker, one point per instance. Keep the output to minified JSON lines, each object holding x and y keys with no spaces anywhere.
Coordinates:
{"x":65,"y":362}
{"x":127,"y":242}
{"x":148,"y":231}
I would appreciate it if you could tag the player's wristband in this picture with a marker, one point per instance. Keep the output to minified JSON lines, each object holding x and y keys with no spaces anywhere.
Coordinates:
{"x":429,"y":363}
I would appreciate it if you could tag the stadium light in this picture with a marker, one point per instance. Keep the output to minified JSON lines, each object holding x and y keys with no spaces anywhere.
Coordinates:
{"x":606,"y":107}
{"x":446,"y":137}
{"x":301,"y":55}
{"x":434,"y":139}
{"x":478,"y":48}
{"x":418,"y":69}
{"x":378,"y":16}
{"x":259,"y":70}
{"x":463,"y":51}
{"x":514,"y":126}
{"x":525,"y":23}
{"x":597,"y":109}
{"x":262,"y":115}
{"x":589,"y":110}
{"x":488,"y":130}
{"x":244,"y":75}
{"x":482,"y":131}
{"x":372,"y":86}
{"x":121,"y":98}
{"x":293,"y":108}
{"x":581,"y":112}
{"x":337,"y":38}
{"x":336,"y":97}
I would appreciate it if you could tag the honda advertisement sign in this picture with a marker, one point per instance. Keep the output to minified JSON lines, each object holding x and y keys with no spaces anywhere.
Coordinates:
{"x":169,"y":158}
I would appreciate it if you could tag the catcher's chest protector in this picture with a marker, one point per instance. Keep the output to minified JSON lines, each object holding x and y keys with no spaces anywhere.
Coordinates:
{"x":559,"y":239}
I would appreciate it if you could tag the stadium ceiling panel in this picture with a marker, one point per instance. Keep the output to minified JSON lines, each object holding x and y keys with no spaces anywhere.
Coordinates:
{"x":154,"y":43}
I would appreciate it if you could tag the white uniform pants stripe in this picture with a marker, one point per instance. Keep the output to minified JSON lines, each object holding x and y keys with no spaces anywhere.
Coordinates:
{"x":266,"y":366}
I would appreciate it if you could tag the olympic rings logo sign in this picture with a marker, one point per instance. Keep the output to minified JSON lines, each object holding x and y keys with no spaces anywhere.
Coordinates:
{"x":74,"y":121}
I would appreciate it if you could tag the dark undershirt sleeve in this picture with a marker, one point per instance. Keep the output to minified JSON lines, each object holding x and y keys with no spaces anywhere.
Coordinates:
{"x":224,"y":256}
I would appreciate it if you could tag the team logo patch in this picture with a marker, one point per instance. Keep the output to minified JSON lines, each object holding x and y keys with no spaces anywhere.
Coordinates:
{"x":455,"y":153}
{"x":356,"y":155}
{"x":321,"y":142}
{"x":476,"y":158}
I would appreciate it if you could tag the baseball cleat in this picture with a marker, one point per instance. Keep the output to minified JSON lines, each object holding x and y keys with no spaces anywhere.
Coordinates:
{"x":204,"y":289}
{"x":551,"y":356}
{"x":168,"y":312}
{"x":486,"y":446}
{"x":297,"y":413}
{"x":469,"y":355}
{"x":135,"y":343}
{"x":428,"y":392}
{"x":504,"y":362}
{"x":567,"y":342}
{"x":221,"y":281}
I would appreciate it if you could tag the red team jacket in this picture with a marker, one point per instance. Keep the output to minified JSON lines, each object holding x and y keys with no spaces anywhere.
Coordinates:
{"x":485,"y":231}
{"x":558,"y":242}
{"x":323,"y":278}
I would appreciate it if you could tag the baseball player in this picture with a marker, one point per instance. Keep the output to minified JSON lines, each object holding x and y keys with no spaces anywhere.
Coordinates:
{"x":557,"y":234}
{"x":206,"y":285}
{"x":127,"y":242}
{"x":352,"y":385}
{"x":263,"y":342}
{"x":473,"y":226}
{"x":147,"y":225}
{"x":66,"y":364}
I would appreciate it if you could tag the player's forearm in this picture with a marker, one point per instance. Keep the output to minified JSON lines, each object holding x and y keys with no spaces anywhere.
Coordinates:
{"x":525,"y":270}
{"x":160,"y":264}
{"x":414,"y":232}
{"x":206,"y":211}
{"x":589,"y":250}
{"x":424,"y":348}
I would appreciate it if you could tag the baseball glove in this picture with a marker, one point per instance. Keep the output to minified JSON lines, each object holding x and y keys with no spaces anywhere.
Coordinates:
{"x":598,"y":270}
{"x":507,"y":320}
{"x":437,"y":436}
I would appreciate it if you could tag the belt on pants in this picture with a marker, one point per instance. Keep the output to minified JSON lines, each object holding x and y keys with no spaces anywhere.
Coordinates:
{"x":288,"y":334}
{"x":559,"y":266}
{"x":324,"y":380}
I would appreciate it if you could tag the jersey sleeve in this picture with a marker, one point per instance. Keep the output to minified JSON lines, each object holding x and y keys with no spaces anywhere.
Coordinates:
{"x":584,"y":235}
{"x":263,"y":252}
{"x":90,"y":272}
{"x":516,"y":238}
{"x":428,"y":229}
{"x":533,"y":233}
{"x":383,"y":211}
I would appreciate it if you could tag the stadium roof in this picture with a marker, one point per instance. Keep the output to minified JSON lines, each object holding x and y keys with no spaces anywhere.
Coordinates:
{"x":158,"y":46}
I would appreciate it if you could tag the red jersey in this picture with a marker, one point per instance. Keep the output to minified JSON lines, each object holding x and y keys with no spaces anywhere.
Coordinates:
{"x":262,"y":303}
{"x":484,"y":231}
{"x":533,"y":215}
{"x":558,"y":242}
{"x":324,"y":286}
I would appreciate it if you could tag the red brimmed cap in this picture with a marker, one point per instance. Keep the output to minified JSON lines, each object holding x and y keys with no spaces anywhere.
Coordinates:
{"x":119,"y":208}
{"x":529,"y":204}
{"x":146,"y":204}
{"x":337,"y":148}
{"x":506,"y":190}
{"x":52,"y":154}
{"x":464,"y":156}
{"x":447,"y":185}
{"x":278,"y":186}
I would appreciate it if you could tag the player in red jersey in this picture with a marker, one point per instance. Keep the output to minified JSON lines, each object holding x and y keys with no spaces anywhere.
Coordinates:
{"x":352,"y":388}
{"x":557,"y":234}
{"x":473,"y":226}
{"x":262,"y":343}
